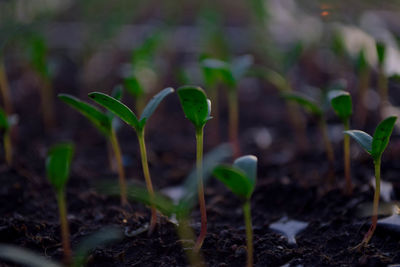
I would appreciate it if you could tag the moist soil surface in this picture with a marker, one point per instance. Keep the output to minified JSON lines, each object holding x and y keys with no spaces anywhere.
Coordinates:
{"x":290,"y":183}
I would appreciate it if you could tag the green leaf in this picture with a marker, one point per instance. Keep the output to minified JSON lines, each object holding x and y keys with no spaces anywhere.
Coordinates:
{"x":58,"y":164}
{"x":133,"y":86}
{"x":153,"y":104}
{"x":100,"y":238}
{"x":307,"y":103}
{"x":38,"y":54}
{"x":116,"y":107}
{"x":98,"y":118}
{"x":381,"y":52}
{"x":220,"y":69}
{"x":341,"y":103}
{"x":362,"y":138}
{"x":4,"y":123}
{"x":381,"y":136}
{"x":248,"y":164}
{"x":24,"y":257}
{"x":235,"y":179}
{"x":195,"y":105}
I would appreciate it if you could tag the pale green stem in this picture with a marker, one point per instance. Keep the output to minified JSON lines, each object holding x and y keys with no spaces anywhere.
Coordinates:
{"x":64,"y":227}
{"x":200,"y":187}
{"x":121,"y":172}
{"x":249,"y":232}
{"x":147,"y":178}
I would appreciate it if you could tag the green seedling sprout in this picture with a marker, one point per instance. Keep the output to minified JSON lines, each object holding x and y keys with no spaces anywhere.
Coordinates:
{"x":127,"y":115}
{"x":197,"y":109}
{"x":230,"y":74}
{"x":375,"y":146}
{"x":342,"y":104}
{"x":58,"y":167}
{"x":5,"y":126}
{"x":382,"y":79}
{"x":38,"y":60}
{"x":314,"y":108}
{"x":104,"y":123}
{"x":26,"y":257}
{"x":241,"y":180}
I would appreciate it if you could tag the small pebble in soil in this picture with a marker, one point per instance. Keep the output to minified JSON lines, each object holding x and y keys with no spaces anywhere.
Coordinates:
{"x":289,"y":228}
{"x":391,"y":223}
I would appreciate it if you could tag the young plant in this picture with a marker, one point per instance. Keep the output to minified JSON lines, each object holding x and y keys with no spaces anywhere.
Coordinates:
{"x":241,"y":179}
{"x":230,"y":74}
{"x":5,"y":126}
{"x":315,"y":109}
{"x":58,"y":167}
{"x":104,"y":123}
{"x":342,"y":104}
{"x":375,"y":146}
{"x":197,"y":109}
{"x":127,"y":115}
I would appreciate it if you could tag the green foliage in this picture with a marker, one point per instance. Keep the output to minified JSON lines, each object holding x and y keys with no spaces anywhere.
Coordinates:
{"x":4,"y":122}
{"x":381,"y":52}
{"x":304,"y":101}
{"x":38,"y":55}
{"x":377,"y":144}
{"x":58,"y":164}
{"x":361,"y":63}
{"x":239,"y":178}
{"x":341,"y":103}
{"x":125,"y":113}
{"x":195,"y":105}
{"x":98,"y":118}
{"x":133,"y":86}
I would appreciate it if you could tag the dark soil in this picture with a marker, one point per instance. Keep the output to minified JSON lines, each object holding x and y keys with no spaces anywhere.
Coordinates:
{"x":289,"y":184}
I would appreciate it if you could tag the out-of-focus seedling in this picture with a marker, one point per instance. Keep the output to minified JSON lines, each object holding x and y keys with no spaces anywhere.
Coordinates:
{"x":229,"y":74}
{"x":382,"y":79}
{"x":127,"y":115}
{"x":38,"y":61}
{"x":241,"y":179}
{"x":29,"y":258}
{"x":314,"y":108}
{"x":103,"y":122}
{"x":375,"y":146}
{"x":342,"y":104}
{"x":5,"y":126}
{"x":58,"y":167}
{"x":133,"y":86}
{"x":197,"y":109}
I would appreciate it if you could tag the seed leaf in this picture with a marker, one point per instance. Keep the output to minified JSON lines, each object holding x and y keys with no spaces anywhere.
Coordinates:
{"x":362,"y":138}
{"x":305,"y":102}
{"x":4,"y":123}
{"x":116,"y":107}
{"x":248,"y":164}
{"x":235,"y":179}
{"x":58,"y":164}
{"x":133,"y":86}
{"x":341,"y":103}
{"x":153,"y":104}
{"x":221,"y":69}
{"x":98,"y":118}
{"x":195,"y":105}
{"x":381,"y":136}
{"x":381,"y":52}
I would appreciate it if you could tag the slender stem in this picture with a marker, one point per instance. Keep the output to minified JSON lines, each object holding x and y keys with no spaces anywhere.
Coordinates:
{"x":327,"y":142}
{"x":5,"y":89}
{"x":234,"y":120}
{"x":64,"y":227}
{"x":147,"y":178}
{"x":346,"y":151}
{"x":121,"y":171}
{"x":186,"y":234}
{"x":8,"y":148}
{"x":200,"y":188}
{"x":249,"y":232}
{"x":369,"y":234}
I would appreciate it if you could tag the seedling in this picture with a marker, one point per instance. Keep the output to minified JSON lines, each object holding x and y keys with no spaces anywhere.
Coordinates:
{"x":315,"y":109}
{"x":103,"y":122}
{"x":375,"y":146}
{"x":197,"y":109}
{"x":127,"y":115}
{"x":230,"y":74}
{"x":58,"y":167}
{"x":241,"y":179}
{"x":342,"y":104}
{"x":38,"y":61}
{"x":382,"y":79}
{"x":5,"y":126}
